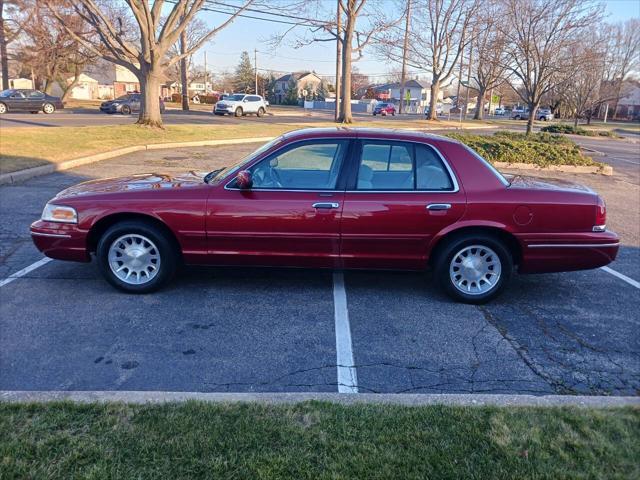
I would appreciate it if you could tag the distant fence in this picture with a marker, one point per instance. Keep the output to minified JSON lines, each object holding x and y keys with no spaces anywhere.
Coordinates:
{"x":355,"y":107}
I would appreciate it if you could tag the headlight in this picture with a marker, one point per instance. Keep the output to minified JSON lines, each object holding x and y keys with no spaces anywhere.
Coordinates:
{"x":58,"y":213}
{"x":115,"y":104}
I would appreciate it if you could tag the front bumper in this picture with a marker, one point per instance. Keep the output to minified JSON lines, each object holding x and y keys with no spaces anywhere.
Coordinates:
{"x":546,"y":253}
{"x":62,"y":241}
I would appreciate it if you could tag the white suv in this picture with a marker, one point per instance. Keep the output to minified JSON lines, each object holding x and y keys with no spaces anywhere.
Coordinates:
{"x":240,"y":104}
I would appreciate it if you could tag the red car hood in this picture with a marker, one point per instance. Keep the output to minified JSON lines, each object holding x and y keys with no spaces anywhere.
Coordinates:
{"x":535,"y":183}
{"x":133,"y":183}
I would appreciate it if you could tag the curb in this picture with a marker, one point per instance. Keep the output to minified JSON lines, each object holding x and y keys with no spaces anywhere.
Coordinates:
{"x":22,"y":175}
{"x":605,"y":170}
{"x":408,"y":399}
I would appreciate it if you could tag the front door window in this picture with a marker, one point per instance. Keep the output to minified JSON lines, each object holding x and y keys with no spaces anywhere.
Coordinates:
{"x":309,"y":166}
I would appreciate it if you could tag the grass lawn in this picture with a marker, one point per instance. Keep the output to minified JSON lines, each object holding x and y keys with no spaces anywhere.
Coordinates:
{"x":30,"y":147}
{"x":315,"y":440}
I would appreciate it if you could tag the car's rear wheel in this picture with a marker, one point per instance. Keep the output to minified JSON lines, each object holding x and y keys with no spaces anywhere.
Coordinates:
{"x":136,"y":257}
{"x":261,"y":112}
{"x":3,"y":108}
{"x":238,"y":112}
{"x":48,"y":108}
{"x":474,"y":268}
{"x":126,"y":110}
{"x":517,"y":117}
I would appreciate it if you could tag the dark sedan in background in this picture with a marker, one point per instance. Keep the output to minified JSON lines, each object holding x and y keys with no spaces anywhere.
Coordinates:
{"x":28,"y":100}
{"x":384,"y":109}
{"x":125,"y":104}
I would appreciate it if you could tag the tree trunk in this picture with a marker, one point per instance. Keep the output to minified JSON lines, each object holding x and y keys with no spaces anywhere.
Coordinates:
{"x":345,"y":111}
{"x":575,"y":121}
{"x":479,"y":113}
{"x":150,"y":104}
{"x":69,"y":87}
{"x":184,"y":80}
{"x":533,"y":108}
{"x":3,"y":51}
{"x":433,"y":101}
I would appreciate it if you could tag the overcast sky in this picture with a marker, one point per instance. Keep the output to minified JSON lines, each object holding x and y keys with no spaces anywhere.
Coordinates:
{"x":246,"y":34}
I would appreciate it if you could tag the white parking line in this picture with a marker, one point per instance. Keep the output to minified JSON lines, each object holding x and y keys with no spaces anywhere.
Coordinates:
{"x":24,"y":271}
{"x":630,"y":281}
{"x":347,"y":376}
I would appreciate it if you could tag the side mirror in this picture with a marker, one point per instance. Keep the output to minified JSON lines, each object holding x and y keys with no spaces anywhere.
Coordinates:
{"x":244,"y":180}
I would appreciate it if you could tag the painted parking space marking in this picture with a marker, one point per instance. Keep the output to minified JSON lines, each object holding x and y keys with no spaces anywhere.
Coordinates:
{"x":347,"y":375}
{"x":629,"y":280}
{"x":24,"y":271}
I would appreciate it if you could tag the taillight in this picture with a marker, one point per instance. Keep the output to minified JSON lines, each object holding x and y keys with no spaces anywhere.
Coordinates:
{"x":600,"y":224}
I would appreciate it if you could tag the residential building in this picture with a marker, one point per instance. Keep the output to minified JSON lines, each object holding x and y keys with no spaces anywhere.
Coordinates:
{"x":629,"y":105}
{"x":303,"y":81}
{"x":85,"y":89}
{"x":19,"y":82}
{"x":417,"y":94}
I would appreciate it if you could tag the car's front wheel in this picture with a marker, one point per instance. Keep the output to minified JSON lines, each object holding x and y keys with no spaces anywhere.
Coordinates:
{"x":238,"y":112}
{"x":48,"y":108}
{"x":261,"y":112}
{"x":3,"y":108}
{"x":136,"y":257}
{"x":126,"y":110}
{"x":474,"y":268}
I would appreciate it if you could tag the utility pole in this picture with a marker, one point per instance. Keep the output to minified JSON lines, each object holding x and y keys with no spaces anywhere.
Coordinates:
{"x":466,"y":102}
{"x":183,"y":71}
{"x":338,"y":60}
{"x":255,"y":66}
{"x":405,"y":47}
{"x":206,"y":76}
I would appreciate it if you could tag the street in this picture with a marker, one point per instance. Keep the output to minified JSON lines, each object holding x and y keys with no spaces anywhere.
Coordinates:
{"x":275,"y":330}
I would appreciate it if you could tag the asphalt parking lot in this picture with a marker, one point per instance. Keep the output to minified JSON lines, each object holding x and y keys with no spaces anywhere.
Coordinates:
{"x":252,"y":330}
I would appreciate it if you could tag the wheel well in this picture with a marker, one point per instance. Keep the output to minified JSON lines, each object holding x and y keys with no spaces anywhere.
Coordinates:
{"x":507,"y":238}
{"x":102,"y":225}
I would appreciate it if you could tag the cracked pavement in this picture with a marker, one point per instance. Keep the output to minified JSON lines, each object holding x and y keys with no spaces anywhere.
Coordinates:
{"x":272,"y":330}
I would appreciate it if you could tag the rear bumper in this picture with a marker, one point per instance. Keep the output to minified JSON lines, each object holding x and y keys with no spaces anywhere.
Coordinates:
{"x":61,"y":241}
{"x":545,"y":253}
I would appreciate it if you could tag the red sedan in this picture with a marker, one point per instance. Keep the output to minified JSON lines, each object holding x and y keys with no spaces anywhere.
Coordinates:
{"x":334,"y":198}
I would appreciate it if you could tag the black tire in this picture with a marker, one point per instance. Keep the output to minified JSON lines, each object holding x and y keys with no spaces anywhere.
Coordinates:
{"x":238,"y":112}
{"x":167,"y":251}
{"x":261,"y":112}
{"x":393,"y":114}
{"x":446,"y":256}
{"x":126,"y":110}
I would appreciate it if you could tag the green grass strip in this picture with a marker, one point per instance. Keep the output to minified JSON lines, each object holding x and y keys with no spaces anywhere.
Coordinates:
{"x":315,"y":440}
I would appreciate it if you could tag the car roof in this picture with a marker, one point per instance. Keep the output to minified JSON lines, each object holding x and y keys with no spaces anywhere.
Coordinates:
{"x":362,"y":132}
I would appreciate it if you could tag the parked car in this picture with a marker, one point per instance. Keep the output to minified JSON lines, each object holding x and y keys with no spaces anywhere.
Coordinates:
{"x":28,"y":100}
{"x":499,"y":111}
{"x":384,"y":109}
{"x":544,"y":114}
{"x":439,"y":110}
{"x":520,"y":113}
{"x":240,"y":104}
{"x":334,"y":198}
{"x":126,"y":104}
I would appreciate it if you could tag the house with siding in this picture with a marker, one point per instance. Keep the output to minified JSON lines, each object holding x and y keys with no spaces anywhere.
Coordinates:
{"x":303,"y":80}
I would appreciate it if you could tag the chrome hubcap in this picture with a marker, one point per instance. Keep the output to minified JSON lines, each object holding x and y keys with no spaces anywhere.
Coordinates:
{"x":134,"y":259}
{"x":48,"y":108}
{"x":475,"y":270}
{"x":2,"y":108}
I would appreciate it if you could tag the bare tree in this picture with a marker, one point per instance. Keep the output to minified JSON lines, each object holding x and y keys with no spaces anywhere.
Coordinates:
{"x":146,"y":56}
{"x":489,"y":46}
{"x":622,"y":54}
{"x":360,"y":25}
{"x":540,"y":34}
{"x":440,"y":31}
{"x":10,"y":28}
{"x":582,"y":90}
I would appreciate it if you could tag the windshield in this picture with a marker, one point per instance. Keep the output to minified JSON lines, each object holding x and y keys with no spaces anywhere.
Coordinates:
{"x":235,"y":98}
{"x":228,"y":171}
{"x":6,"y":93}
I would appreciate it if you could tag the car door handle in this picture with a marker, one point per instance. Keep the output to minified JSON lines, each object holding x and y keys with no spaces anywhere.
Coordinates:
{"x":439,"y":206}
{"x":325,"y":205}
